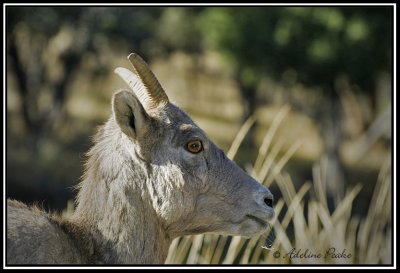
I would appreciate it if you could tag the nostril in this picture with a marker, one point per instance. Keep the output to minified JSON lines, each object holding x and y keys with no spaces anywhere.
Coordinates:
{"x":269,"y":202}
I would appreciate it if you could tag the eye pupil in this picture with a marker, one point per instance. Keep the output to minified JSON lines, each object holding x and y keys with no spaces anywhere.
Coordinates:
{"x":194,"y":146}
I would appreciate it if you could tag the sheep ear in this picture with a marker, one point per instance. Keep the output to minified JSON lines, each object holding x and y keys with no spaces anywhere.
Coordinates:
{"x":129,"y":114}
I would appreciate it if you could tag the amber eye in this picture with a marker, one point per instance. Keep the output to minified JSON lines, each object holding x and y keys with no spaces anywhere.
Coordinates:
{"x":194,"y":146}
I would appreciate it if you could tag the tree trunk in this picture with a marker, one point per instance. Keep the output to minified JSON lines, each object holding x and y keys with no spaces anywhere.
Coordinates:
{"x":249,"y":100}
{"x":331,"y":132}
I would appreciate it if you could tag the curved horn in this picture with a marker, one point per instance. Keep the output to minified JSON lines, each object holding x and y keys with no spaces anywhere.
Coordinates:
{"x":144,"y":84}
{"x":155,"y":91}
{"x":136,"y":85}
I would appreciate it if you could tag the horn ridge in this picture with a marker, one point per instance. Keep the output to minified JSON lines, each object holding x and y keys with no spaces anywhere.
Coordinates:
{"x":137,"y":87}
{"x":156,"y":93}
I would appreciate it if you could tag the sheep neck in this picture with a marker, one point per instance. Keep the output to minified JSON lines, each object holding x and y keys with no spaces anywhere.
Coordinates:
{"x":114,"y":207}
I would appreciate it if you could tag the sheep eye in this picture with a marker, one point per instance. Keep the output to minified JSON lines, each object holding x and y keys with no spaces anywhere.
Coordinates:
{"x":194,"y":146}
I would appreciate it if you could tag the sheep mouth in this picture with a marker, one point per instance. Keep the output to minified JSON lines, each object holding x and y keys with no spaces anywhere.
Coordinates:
{"x":258,"y":220}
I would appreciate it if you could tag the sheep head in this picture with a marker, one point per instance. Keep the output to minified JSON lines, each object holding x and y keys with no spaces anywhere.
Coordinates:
{"x":192,"y":185}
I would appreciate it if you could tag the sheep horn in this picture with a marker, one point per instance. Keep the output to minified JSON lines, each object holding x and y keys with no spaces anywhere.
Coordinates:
{"x":144,"y":84}
{"x":155,"y":92}
{"x":136,"y":85}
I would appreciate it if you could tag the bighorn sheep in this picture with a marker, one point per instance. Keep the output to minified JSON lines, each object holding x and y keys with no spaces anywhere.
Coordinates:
{"x":151,"y":176}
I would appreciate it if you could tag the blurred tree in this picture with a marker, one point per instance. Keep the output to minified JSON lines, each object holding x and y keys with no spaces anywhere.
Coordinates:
{"x":178,"y":29}
{"x":325,"y":47}
{"x":46,"y":49}
{"x":319,"y":44}
{"x":45,"y":46}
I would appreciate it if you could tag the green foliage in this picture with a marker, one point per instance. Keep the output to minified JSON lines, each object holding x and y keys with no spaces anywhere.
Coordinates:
{"x":177,"y":29}
{"x":320,"y":43}
{"x":132,"y":24}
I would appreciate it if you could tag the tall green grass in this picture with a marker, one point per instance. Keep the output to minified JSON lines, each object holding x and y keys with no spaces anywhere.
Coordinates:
{"x":303,"y":224}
